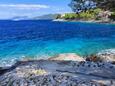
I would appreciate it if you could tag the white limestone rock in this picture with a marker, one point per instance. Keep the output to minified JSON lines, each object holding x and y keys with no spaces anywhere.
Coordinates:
{"x":107,"y":55}
{"x":68,"y":57}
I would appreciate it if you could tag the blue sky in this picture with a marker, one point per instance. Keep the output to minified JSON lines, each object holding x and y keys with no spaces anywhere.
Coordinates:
{"x":31,"y":8}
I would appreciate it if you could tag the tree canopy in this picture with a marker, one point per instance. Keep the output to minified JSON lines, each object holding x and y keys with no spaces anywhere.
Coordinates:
{"x":91,"y":10}
{"x":83,"y":5}
{"x":106,"y":4}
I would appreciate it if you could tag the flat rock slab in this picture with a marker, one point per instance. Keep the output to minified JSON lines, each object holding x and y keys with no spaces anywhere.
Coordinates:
{"x":68,"y":57}
{"x":59,"y":73}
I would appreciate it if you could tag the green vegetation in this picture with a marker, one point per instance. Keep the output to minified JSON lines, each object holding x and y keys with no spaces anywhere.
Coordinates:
{"x":105,"y":4}
{"x":70,"y":16}
{"x":91,"y":10}
{"x":80,"y":5}
{"x":83,"y":5}
{"x":88,"y":15}
{"x":112,"y":17}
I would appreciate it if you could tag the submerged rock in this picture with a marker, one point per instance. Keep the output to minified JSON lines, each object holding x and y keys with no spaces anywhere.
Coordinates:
{"x":68,"y":57}
{"x":107,"y":55}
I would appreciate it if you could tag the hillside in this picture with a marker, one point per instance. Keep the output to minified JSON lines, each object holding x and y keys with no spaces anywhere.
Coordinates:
{"x":48,"y":16}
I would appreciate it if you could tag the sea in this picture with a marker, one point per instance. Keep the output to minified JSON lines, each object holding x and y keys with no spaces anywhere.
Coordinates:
{"x":36,"y":39}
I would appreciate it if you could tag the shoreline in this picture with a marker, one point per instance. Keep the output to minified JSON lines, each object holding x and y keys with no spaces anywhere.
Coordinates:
{"x":107,"y":56}
{"x":62,"y":56}
{"x":85,"y":21}
{"x":62,"y":70}
{"x":41,"y":71}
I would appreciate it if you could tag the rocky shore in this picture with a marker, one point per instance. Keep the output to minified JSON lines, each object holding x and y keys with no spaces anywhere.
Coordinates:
{"x":86,"y":21}
{"x":62,"y":70}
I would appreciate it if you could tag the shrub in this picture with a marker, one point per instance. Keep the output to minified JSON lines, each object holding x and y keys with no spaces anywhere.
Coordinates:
{"x":112,"y":17}
{"x":87,"y":15}
{"x":97,"y":11}
{"x":70,"y":16}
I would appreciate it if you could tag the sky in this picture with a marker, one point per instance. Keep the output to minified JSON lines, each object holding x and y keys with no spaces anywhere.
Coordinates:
{"x":32,"y":8}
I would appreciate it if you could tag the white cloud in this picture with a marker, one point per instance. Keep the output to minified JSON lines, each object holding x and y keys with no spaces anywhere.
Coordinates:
{"x":24,"y":6}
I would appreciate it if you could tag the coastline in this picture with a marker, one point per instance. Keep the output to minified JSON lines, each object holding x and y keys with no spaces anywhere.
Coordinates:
{"x":86,"y":21}
{"x":64,"y":69}
{"x":71,"y":40}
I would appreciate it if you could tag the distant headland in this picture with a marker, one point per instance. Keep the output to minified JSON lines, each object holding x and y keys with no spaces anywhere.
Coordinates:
{"x":99,"y":11}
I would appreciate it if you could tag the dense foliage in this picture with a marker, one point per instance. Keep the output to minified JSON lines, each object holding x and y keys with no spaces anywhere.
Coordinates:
{"x":112,"y":16}
{"x":83,"y":5}
{"x":88,"y":15}
{"x":91,"y":10}
{"x":106,"y":4}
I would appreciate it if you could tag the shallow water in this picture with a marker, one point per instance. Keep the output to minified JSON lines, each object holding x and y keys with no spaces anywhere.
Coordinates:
{"x":43,"y":38}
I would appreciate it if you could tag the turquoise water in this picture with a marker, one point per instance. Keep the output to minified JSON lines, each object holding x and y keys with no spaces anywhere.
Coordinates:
{"x":44,"y":38}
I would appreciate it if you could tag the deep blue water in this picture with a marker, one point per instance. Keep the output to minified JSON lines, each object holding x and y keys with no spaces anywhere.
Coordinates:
{"x":45,"y":38}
